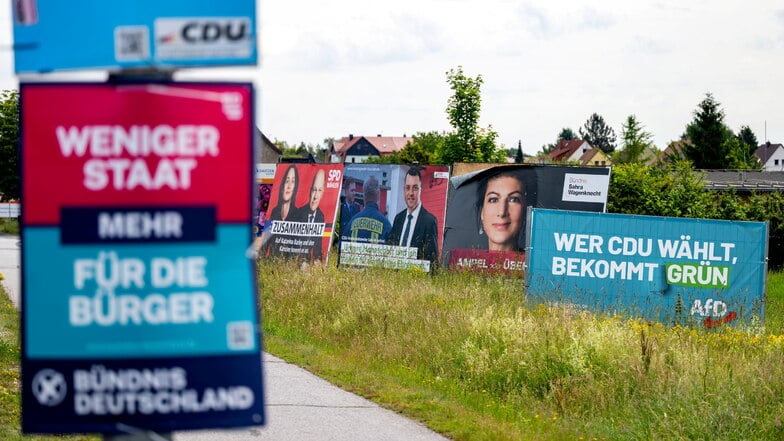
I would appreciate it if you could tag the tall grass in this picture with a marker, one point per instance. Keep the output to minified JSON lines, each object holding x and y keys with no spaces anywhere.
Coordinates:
{"x":9,"y":378}
{"x":467,"y":355}
{"x":774,"y":312}
{"x":9,"y":225}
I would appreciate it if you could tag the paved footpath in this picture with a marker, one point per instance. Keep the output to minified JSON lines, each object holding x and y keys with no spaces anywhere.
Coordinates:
{"x":299,"y":405}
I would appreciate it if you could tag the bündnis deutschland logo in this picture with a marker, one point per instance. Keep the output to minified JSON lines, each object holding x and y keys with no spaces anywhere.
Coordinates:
{"x":49,"y":387}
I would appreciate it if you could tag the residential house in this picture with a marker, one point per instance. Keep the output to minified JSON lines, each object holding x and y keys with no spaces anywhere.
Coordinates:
{"x":265,"y":151}
{"x":649,"y":156}
{"x":673,"y":152}
{"x":352,"y":149}
{"x":771,"y":156}
{"x":578,"y":151}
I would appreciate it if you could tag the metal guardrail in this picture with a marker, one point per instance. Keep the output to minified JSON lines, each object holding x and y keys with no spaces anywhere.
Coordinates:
{"x":10,"y":210}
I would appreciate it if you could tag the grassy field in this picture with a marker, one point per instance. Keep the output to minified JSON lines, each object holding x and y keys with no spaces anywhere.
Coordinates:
{"x":468,"y":357}
{"x":9,"y":225}
{"x":9,"y":378}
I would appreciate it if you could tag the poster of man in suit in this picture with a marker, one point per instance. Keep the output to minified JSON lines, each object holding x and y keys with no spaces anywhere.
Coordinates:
{"x":401,"y":220}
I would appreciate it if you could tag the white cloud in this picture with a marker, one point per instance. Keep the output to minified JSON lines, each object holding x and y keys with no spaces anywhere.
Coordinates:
{"x":365,"y":67}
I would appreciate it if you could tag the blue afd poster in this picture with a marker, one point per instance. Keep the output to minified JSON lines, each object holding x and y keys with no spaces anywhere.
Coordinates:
{"x":675,"y":270}
{"x":51,"y":35}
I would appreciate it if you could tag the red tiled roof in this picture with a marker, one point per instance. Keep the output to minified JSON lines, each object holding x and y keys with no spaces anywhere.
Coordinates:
{"x":388,"y":144}
{"x":384,"y":144}
{"x":565,"y":149}
{"x":345,"y":143}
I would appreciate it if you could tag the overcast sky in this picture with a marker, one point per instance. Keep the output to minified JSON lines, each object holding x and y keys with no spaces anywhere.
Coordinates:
{"x":330,"y":68}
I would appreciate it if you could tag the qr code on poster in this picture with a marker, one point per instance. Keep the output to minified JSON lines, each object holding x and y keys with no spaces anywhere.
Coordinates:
{"x":240,"y":335}
{"x":131,"y":43}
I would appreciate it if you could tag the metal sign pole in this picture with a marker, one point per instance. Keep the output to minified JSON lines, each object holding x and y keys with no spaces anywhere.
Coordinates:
{"x":147,"y":436}
{"x":139,"y":435}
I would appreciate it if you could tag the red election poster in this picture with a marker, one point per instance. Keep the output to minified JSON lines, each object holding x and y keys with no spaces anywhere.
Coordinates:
{"x":302,"y":211}
{"x":125,"y":156}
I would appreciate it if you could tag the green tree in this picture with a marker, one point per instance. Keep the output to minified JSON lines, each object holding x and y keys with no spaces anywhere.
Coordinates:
{"x":303,"y":149}
{"x":747,"y":136}
{"x":519,"y":156}
{"x":468,"y":143}
{"x":566,"y":134}
{"x":598,"y":133}
{"x":675,"y":191}
{"x":422,"y":149}
{"x":635,"y":140}
{"x":710,"y":145}
{"x":739,"y":156}
{"x":464,"y":105}
{"x":487,"y":146}
{"x":281,"y":144}
{"x":9,"y":145}
{"x":748,"y":145}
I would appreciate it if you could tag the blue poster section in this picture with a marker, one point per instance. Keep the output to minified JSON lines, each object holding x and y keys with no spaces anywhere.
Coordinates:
{"x":167,"y":394}
{"x":54,"y":35}
{"x":138,"y":300}
{"x":674,"y":270}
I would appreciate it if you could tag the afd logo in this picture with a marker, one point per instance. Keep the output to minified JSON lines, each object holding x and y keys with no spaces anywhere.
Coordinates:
{"x":714,"y":312}
{"x":198,"y":31}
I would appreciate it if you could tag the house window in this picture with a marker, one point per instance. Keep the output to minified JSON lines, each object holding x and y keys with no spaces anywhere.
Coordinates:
{"x":775,"y":162}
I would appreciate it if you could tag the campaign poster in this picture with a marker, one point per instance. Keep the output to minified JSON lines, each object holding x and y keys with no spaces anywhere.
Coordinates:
{"x":139,"y":305}
{"x":392,"y":215}
{"x":304,"y":205}
{"x":485,"y":222}
{"x":699,"y":272}
{"x":53,"y":35}
{"x":265,"y":176}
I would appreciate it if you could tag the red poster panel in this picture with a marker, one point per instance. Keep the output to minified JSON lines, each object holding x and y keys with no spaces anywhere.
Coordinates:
{"x":302,"y":212}
{"x":97,"y":144}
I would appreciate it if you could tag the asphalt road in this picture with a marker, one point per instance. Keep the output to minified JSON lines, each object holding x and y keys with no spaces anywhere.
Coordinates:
{"x":299,"y":405}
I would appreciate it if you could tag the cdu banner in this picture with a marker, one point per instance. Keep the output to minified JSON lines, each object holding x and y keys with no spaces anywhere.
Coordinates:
{"x":52,"y":35}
